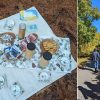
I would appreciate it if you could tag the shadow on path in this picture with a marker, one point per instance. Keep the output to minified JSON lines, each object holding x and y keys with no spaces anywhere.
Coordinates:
{"x":88,"y":65}
{"x":88,"y":93}
{"x":98,"y":77}
{"x":94,"y":89}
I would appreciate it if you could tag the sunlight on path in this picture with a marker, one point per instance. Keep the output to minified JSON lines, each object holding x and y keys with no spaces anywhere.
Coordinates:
{"x":85,"y":76}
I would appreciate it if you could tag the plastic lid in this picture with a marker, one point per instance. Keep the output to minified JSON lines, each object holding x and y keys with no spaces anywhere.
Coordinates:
{"x":47,"y":55}
{"x":22,"y":26}
{"x":31,"y":46}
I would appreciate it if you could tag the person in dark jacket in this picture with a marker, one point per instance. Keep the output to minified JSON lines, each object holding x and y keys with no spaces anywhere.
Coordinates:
{"x":96,"y":57}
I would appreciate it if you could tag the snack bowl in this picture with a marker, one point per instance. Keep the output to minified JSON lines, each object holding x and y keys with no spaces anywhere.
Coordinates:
{"x":7,"y":38}
{"x":49,"y":45}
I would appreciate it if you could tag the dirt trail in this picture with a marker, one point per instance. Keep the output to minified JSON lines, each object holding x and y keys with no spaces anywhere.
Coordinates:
{"x":88,"y":84}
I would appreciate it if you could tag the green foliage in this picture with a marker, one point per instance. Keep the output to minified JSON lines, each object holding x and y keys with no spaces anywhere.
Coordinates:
{"x":86,"y":15}
{"x":89,"y":47}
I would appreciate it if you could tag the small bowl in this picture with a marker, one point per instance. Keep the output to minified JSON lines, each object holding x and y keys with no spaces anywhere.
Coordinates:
{"x":7,"y":35}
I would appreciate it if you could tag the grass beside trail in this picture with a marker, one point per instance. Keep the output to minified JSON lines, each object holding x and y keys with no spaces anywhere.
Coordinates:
{"x":81,"y":60}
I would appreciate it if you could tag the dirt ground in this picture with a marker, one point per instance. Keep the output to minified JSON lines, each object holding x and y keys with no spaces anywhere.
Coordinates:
{"x":88,"y":83}
{"x":62,"y":17}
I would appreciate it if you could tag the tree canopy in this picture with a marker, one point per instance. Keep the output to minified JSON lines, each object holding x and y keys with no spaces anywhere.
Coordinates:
{"x":86,"y":15}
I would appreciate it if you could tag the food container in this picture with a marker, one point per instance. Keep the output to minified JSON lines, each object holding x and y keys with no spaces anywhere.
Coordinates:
{"x":30,"y":38}
{"x":22,"y":29}
{"x":28,"y":14}
{"x":12,"y":52}
{"x":30,"y":51}
{"x":44,"y":60}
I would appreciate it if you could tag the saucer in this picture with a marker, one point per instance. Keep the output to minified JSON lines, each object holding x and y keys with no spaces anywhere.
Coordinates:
{"x":2,"y":81}
{"x":44,"y":76}
{"x":16,"y":89}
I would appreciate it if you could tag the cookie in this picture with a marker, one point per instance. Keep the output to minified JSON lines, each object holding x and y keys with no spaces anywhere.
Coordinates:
{"x":49,"y":45}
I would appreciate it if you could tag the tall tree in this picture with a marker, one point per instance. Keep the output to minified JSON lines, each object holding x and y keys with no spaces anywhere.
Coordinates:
{"x":86,"y":15}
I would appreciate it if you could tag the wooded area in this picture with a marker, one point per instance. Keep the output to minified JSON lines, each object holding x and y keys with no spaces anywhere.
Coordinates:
{"x":88,"y":38}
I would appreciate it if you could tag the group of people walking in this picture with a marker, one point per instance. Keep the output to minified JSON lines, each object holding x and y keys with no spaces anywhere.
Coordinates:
{"x":96,"y":59}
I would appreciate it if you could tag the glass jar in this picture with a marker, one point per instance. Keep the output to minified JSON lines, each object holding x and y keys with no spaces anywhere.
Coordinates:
{"x":22,"y":29}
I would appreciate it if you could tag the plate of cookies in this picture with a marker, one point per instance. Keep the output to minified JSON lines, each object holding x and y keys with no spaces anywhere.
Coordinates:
{"x":49,"y":45}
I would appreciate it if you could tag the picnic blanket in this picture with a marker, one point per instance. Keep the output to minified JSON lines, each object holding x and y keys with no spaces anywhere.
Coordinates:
{"x":28,"y":77}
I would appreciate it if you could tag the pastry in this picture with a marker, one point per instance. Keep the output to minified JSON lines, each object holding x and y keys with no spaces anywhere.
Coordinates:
{"x":49,"y":45}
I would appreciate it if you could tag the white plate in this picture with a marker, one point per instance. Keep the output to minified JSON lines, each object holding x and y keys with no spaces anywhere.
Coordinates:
{"x":2,"y":80}
{"x":16,"y":90}
{"x":44,"y":76}
{"x":9,"y":24}
{"x":63,"y":60}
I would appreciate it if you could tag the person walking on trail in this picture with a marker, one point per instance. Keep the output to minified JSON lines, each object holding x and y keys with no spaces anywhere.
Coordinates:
{"x":96,"y":57}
